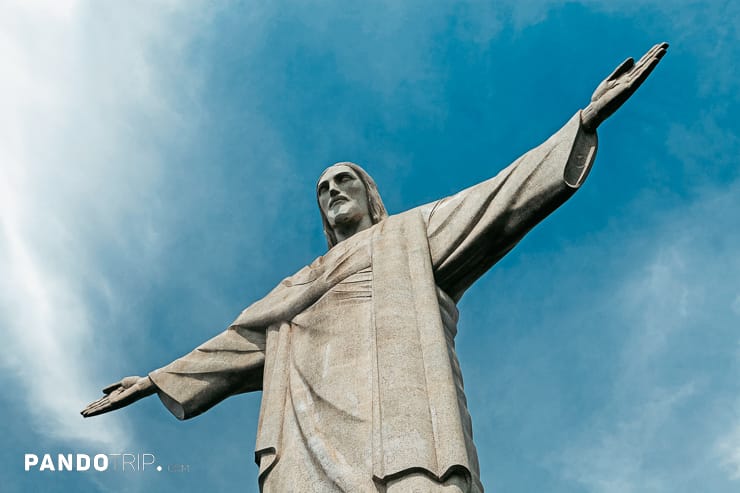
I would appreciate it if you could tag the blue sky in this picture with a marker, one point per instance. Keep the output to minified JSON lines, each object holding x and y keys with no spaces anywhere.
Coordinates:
{"x":157,"y":168}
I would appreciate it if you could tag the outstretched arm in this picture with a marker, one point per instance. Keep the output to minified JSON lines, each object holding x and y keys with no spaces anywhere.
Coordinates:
{"x":228,"y":364}
{"x":619,"y":86}
{"x":472,"y":230}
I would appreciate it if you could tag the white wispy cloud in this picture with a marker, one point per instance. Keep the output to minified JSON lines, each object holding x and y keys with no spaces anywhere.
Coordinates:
{"x":704,"y":147}
{"x":728,"y":449}
{"x":736,"y":304}
{"x":680,"y":289}
{"x":615,"y":461}
{"x":74,"y":166}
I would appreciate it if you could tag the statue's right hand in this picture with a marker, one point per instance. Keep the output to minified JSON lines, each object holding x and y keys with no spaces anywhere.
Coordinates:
{"x":120,"y":394}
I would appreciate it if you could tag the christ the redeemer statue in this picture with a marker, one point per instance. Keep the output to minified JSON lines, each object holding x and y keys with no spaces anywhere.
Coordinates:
{"x":355,"y":353}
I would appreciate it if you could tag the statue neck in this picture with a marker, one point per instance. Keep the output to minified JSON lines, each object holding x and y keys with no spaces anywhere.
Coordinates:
{"x":346,"y":230}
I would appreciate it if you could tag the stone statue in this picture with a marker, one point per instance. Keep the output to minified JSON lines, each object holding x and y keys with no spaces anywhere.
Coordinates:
{"x":355,"y":353}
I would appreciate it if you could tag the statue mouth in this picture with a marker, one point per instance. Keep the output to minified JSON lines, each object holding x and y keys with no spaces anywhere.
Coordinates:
{"x":337,"y":200}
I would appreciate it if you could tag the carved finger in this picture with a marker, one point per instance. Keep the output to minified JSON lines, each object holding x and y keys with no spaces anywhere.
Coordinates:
{"x":106,"y":405}
{"x":652,"y":51}
{"x":662,"y":46}
{"x":102,"y":400}
{"x":97,"y":407}
{"x":640,"y":77}
{"x":110,"y":388}
{"x":648,"y":54}
{"x":623,"y":68}
{"x":93,"y":412}
{"x":656,"y":52}
{"x":661,"y":53}
{"x":641,"y":73}
{"x":649,"y":68}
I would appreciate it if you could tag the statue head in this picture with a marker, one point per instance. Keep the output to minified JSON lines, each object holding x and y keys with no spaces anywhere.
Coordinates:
{"x":348,"y":200}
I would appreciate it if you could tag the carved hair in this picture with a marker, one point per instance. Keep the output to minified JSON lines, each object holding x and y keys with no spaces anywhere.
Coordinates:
{"x":374,"y":202}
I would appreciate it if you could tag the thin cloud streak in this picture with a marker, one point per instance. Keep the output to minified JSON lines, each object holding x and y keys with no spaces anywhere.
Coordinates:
{"x":68,"y":176}
{"x":728,"y":449}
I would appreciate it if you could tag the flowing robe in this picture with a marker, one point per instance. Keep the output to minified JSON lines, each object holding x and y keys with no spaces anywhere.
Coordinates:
{"x":355,"y":353}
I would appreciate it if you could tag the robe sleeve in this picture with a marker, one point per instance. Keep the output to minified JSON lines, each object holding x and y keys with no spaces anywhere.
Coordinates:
{"x":228,"y":364}
{"x":470,"y":231}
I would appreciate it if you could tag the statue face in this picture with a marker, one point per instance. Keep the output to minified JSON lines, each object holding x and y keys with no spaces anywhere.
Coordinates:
{"x":342,"y":196}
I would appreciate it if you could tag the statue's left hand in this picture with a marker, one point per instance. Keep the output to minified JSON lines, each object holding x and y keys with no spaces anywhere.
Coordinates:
{"x":619,"y":86}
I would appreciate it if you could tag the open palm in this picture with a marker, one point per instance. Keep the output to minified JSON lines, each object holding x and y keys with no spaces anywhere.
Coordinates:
{"x":120,"y":394}
{"x":620,"y":85}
